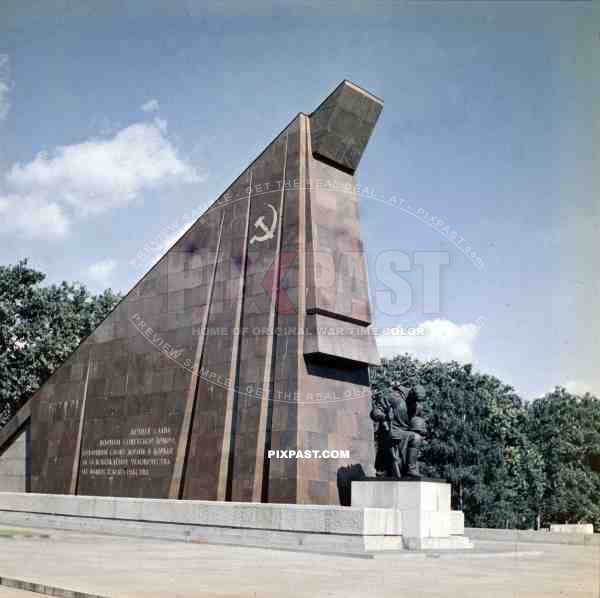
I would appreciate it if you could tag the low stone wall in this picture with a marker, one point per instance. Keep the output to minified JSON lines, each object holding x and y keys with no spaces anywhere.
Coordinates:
{"x":297,"y":527}
{"x":542,"y":536}
{"x":320,"y":528}
{"x":267,"y":516}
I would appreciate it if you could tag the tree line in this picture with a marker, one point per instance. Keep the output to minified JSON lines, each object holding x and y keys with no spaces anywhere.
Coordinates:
{"x":40,"y":326}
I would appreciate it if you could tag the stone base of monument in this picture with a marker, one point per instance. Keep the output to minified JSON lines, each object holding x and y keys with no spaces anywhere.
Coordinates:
{"x":426,"y":519}
{"x":328,"y":529}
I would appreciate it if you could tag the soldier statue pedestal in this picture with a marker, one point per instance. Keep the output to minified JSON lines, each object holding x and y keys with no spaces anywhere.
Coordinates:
{"x":426,"y":518}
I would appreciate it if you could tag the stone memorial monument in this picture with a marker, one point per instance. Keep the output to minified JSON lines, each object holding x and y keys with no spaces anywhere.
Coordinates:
{"x":247,"y":341}
{"x":249,"y":335}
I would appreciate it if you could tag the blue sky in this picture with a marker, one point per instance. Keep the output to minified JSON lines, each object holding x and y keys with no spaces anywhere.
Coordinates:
{"x":491,"y":123}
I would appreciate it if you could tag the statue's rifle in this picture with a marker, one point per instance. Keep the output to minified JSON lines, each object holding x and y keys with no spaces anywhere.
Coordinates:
{"x":384,"y":406}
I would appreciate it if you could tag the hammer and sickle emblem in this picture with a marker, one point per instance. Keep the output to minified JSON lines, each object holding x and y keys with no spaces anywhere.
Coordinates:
{"x":269,"y":232}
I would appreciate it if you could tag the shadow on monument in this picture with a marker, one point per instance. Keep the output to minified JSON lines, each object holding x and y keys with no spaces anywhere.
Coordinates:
{"x":345,"y":476}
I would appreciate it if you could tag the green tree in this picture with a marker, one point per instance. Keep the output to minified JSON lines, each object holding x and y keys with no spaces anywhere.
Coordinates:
{"x":566,"y":428}
{"x":39,"y":327}
{"x":477,"y":440}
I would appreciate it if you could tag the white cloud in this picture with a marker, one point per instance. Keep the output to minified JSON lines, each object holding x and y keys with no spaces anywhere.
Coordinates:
{"x":576,"y":387}
{"x":91,"y":177}
{"x":100,"y":174}
{"x":32,"y":216}
{"x":161,"y":123}
{"x":5,"y":85}
{"x":441,"y":339}
{"x":151,"y":105}
{"x":579,"y":387}
{"x":101,"y":272}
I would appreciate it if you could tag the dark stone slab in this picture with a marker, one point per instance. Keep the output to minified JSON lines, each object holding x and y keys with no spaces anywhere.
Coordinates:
{"x":342,"y":125}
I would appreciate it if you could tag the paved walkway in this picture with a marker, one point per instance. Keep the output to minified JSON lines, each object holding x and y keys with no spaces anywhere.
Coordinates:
{"x":131,"y":567}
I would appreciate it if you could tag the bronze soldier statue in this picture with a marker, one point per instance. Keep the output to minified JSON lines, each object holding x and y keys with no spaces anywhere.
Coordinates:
{"x":400,"y":430}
